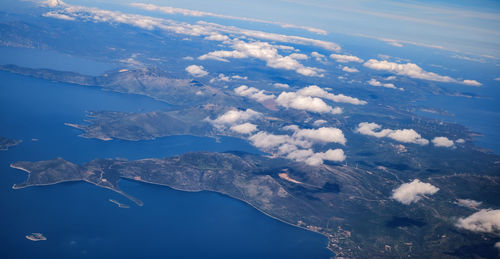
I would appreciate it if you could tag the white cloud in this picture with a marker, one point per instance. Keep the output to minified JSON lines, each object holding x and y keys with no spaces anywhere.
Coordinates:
{"x":59,"y":16}
{"x":318,"y":57}
{"x":399,"y":43}
{"x":291,"y":127}
{"x":408,"y":69}
{"x":323,"y":134}
{"x":411,"y":192}
{"x":414,"y":71}
{"x":55,"y":3}
{"x":245,"y":128}
{"x":286,"y":149}
{"x":384,"y":57}
{"x":401,"y":135}
{"x":221,"y":55}
{"x":195,"y":13}
{"x":210,"y":30}
{"x":468,"y":58}
{"x":268,"y":141}
{"x":350,"y":69}
{"x":471,"y":82}
{"x":280,"y":85}
{"x":253,"y":93}
{"x":460,"y":141}
{"x":270,"y":36}
{"x":442,"y":142}
{"x":395,"y":44}
{"x":188,"y":58}
{"x":316,"y":91}
{"x":217,"y":37}
{"x":468,"y":203}
{"x":307,"y":99}
{"x":319,"y":122}
{"x":223,"y":78}
{"x":345,"y":58}
{"x":306,"y":103}
{"x":366,"y":128}
{"x":408,"y":136}
{"x":374,"y":82}
{"x":304,"y":99}
{"x":220,"y":78}
{"x":298,"y":56}
{"x":333,"y":155}
{"x":485,"y":220}
{"x":265,"y":52}
{"x":298,"y":154}
{"x":497,"y":79}
{"x":234,"y":117}
{"x":196,"y":71}
{"x":287,"y":48}
{"x":200,"y":28}
{"x":239,"y":77}
{"x":315,"y":159}
{"x":132,"y":61}
{"x":298,"y":145}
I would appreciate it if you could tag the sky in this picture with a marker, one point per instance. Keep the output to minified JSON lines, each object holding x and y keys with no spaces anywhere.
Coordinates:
{"x":467,"y":27}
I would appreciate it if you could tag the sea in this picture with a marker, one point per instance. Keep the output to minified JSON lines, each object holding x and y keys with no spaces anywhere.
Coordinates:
{"x":78,"y":219}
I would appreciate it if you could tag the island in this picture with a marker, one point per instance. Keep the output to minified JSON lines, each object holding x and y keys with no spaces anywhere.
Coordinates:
{"x":120,"y":205}
{"x":6,"y":143}
{"x":36,"y":237}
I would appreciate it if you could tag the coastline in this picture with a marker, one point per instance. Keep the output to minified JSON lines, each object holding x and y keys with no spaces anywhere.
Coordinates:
{"x":241,"y":200}
{"x":36,"y":237}
{"x":20,"y":168}
{"x":120,"y":205}
{"x":140,"y":203}
{"x":76,"y":126}
{"x":16,"y":186}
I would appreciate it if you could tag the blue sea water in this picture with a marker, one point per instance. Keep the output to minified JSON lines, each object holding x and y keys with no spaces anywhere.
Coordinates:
{"x":36,"y":58}
{"x":78,"y":219}
{"x":480,"y":115}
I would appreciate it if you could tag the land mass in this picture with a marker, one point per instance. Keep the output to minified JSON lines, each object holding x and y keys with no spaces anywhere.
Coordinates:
{"x":349,"y":203}
{"x":149,"y":82}
{"x":352,"y":207}
{"x":36,"y":237}
{"x":119,"y":204}
{"x":6,"y":143}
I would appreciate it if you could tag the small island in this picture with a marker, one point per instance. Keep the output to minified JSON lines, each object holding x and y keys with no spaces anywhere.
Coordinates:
{"x":6,"y":143}
{"x":120,"y":205}
{"x":36,"y":237}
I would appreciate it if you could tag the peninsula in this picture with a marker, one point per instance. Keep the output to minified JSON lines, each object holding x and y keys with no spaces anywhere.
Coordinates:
{"x":350,"y":206}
